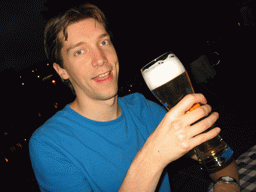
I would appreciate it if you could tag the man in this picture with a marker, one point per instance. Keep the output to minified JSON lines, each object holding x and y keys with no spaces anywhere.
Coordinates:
{"x":101,"y":142}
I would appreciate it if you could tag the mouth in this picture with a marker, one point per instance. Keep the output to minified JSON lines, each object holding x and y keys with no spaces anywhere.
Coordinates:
{"x":103,"y":77}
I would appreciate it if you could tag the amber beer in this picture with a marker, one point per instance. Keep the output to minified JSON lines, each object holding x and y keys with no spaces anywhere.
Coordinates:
{"x":168,"y":80}
{"x":180,"y":87}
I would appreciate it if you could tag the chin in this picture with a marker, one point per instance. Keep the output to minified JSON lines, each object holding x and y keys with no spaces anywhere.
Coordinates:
{"x":108,"y":96}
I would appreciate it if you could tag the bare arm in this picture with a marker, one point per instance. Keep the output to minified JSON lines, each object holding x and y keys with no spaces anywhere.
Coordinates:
{"x":230,"y":170}
{"x":172,"y":139}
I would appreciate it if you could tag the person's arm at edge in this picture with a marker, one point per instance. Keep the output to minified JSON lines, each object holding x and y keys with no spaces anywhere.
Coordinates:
{"x":230,"y":170}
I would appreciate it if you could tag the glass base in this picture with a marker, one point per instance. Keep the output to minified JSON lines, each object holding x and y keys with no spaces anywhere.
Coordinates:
{"x":217,"y":161}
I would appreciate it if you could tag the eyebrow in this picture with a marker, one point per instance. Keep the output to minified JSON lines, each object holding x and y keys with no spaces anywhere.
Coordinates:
{"x":82,"y":42}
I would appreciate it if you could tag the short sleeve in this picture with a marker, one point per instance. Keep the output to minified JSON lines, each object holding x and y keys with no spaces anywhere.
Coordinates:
{"x":54,"y":171}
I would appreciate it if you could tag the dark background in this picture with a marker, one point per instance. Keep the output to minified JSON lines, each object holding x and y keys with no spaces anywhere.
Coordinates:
{"x":31,"y":92}
{"x":141,"y":28}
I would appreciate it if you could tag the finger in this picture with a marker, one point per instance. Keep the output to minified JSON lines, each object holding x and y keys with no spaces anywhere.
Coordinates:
{"x":187,"y":102}
{"x":203,"y":125}
{"x":197,"y":114}
{"x":199,"y":139}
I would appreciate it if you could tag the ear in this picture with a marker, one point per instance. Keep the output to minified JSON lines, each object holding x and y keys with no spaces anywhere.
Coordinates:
{"x":61,"y":71}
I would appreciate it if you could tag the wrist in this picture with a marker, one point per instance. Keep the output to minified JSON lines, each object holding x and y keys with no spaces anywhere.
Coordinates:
{"x":153,"y":155}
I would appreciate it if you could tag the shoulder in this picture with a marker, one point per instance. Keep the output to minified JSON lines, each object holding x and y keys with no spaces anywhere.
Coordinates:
{"x":48,"y":144}
{"x":52,"y":128}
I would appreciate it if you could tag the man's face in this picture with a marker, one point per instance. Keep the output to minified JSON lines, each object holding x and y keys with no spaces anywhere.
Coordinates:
{"x":90,"y":60}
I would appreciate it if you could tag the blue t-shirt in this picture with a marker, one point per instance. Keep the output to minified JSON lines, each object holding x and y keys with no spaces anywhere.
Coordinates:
{"x":73,"y":153}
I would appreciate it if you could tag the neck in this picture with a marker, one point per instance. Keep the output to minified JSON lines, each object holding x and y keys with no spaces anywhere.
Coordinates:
{"x":97,"y":110}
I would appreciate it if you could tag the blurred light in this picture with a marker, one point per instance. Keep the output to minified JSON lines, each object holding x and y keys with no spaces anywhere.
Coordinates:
{"x":33,"y":71}
{"x":13,"y":149}
{"x":19,"y":145}
{"x":38,"y":76}
{"x":23,"y":83}
{"x":53,"y":81}
{"x":45,"y":78}
{"x":6,"y":160}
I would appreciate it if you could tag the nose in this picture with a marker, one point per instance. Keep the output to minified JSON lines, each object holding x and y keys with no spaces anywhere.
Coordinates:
{"x":99,"y":58}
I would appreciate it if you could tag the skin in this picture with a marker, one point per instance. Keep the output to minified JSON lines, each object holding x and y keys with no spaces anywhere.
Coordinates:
{"x":89,"y":53}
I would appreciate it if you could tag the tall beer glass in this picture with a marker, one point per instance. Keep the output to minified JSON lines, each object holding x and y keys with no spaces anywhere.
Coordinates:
{"x":168,"y":80}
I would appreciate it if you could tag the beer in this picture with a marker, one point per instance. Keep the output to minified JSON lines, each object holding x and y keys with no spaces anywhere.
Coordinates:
{"x":173,"y":91}
{"x":168,"y":80}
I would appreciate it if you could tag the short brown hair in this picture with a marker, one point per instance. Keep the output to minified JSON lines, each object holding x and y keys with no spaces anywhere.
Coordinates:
{"x":52,"y":40}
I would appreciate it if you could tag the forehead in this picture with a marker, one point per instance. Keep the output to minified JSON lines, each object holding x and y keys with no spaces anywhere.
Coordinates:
{"x":87,"y":29}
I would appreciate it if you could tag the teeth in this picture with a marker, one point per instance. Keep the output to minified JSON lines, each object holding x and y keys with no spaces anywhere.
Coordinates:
{"x":103,"y":75}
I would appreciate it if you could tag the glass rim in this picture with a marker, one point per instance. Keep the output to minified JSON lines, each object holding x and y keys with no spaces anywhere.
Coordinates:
{"x":154,"y":61}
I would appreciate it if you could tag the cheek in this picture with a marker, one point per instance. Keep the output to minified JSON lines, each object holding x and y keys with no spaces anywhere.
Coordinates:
{"x":111,"y":52}
{"x":77,"y":71}
{"x":114,"y":59}
{"x":117,"y":68}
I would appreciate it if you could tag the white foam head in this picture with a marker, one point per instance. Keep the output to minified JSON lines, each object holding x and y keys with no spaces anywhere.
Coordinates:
{"x":163,"y":71}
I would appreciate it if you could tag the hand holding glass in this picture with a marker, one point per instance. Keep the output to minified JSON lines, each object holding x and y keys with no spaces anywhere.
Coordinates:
{"x":168,"y":80}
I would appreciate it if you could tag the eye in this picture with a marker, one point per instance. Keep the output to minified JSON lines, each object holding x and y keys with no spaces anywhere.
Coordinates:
{"x":79,"y":52}
{"x":104,"y":43}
